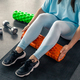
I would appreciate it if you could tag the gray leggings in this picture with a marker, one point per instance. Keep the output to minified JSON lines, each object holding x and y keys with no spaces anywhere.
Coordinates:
{"x":56,"y":27}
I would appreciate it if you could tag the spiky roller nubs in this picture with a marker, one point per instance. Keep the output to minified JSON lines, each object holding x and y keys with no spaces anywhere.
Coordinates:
{"x":22,"y":16}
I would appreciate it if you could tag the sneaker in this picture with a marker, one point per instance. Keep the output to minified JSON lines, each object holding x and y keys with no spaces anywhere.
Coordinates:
{"x":27,"y":68}
{"x":13,"y":57}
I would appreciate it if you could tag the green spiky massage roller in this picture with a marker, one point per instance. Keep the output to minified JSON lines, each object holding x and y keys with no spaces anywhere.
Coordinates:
{"x":22,"y":16}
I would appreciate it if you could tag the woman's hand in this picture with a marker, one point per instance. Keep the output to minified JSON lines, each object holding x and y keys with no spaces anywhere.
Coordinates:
{"x":36,"y":15}
{"x":63,"y":51}
{"x":25,"y":28}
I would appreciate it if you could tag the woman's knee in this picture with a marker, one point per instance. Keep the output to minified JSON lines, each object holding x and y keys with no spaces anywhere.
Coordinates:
{"x":57,"y":24}
{"x":42,"y":19}
{"x":46,"y":17}
{"x":42,"y":16}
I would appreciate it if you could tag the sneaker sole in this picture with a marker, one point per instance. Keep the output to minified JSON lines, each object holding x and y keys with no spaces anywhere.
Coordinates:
{"x":28,"y":72}
{"x":15,"y":60}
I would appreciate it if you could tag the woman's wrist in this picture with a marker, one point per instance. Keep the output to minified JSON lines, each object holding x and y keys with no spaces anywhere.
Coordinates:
{"x":70,"y":46}
{"x":28,"y":25}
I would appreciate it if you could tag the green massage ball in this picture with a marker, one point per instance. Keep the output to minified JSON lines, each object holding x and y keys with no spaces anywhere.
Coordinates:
{"x":22,"y":16}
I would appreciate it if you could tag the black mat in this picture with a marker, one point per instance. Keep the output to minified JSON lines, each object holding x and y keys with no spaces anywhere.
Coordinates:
{"x":48,"y":69}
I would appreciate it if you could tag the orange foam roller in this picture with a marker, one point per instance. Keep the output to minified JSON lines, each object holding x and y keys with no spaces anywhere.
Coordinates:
{"x":54,"y":52}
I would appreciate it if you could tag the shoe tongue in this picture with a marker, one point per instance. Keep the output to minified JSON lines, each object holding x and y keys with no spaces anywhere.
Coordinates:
{"x":27,"y":63}
{"x":14,"y":51}
{"x":29,"y":60}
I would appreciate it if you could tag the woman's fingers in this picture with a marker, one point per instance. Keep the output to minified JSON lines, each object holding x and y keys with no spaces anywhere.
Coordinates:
{"x":63,"y":49}
{"x":24,"y":29}
{"x":63,"y":52}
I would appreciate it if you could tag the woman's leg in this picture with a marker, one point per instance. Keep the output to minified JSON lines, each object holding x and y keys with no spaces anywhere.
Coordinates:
{"x":31,"y":34}
{"x":43,"y":20}
{"x":65,"y":29}
{"x":58,"y":28}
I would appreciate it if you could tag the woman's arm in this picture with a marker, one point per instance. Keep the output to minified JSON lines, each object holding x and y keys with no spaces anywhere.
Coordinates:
{"x":66,"y":48}
{"x":36,"y":15}
{"x":75,"y":38}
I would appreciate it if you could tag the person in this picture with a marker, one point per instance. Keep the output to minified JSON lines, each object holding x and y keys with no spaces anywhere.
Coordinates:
{"x":62,"y":18}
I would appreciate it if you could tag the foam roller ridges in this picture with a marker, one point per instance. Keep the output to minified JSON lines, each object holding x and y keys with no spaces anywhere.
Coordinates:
{"x":22,"y":16}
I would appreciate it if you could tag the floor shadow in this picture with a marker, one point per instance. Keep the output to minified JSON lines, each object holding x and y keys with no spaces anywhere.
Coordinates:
{"x":19,"y":24}
{"x":12,"y":35}
{"x":1,"y":37}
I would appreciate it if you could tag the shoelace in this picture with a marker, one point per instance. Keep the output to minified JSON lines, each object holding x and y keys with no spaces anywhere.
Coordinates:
{"x":13,"y":55}
{"x":27,"y":64}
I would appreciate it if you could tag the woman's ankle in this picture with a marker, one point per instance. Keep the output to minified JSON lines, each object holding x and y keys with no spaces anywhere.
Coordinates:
{"x":18,"y":49}
{"x":33,"y":58}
